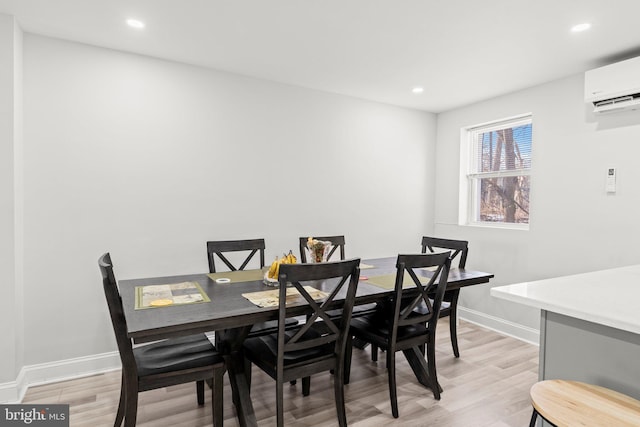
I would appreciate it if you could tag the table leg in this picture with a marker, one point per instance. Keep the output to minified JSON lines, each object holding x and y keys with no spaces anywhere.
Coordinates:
{"x":419,"y":366}
{"x":229,"y":343}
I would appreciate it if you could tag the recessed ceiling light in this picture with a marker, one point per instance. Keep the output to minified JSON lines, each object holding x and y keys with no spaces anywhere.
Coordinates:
{"x":134,"y":23}
{"x":580,"y":27}
{"x":417,"y":90}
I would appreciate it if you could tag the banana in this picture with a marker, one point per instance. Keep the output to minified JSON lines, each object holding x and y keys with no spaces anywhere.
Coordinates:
{"x":277,"y":271}
{"x":273,"y":268}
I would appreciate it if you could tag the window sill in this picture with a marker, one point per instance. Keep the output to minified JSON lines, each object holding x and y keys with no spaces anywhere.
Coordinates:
{"x":498,"y":225}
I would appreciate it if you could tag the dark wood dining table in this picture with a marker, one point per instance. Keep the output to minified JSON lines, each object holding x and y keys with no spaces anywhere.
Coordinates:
{"x":231,"y":315}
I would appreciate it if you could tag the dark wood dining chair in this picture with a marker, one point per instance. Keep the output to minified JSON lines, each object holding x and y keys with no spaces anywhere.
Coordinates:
{"x":159,"y":364}
{"x":218,"y":249}
{"x":338,"y":245}
{"x":459,"y":249}
{"x":315,"y":346}
{"x":398,"y":327}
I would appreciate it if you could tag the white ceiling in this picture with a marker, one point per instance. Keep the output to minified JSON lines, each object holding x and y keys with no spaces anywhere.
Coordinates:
{"x":460,"y":51}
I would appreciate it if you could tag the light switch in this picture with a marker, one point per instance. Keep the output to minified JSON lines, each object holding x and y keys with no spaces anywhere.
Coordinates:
{"x":611,"y":180}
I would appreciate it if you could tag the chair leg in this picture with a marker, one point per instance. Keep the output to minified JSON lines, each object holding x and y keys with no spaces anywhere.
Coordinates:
{"x":347,"y":359}
{"x":131,"y":395}
{"x":431,"y":363}
{"x":217,"y":398}
{"x":200,"y":392}
{"x":391,"y":370}
{"x":121,"y":404}
{"x":339,"y":392}
{"x":279,"y":402}
{"x":453,"y":324}
{"x":534,"y":417}
{"x":306,"y":386}
{"x":247,"y":371}
{"x":374,"y":353}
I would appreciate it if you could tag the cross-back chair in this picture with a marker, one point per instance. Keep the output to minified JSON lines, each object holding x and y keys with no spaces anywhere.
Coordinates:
{"x":398,"y":327}
{"x":159,"y":364}
{"x":319,"y":344}
{"x":218,"y":249}
{"x":338,"y":245}
{"x":458,"y":248}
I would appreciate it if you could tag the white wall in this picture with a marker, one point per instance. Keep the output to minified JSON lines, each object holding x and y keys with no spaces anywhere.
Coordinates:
{"x":149,"y":159}
{"x":575,"y":226}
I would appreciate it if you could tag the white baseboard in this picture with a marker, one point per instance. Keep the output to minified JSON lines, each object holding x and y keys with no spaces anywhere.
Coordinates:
{"x":61,"y":370}
{"x":13,"y":391}
{"x":515,"y":330}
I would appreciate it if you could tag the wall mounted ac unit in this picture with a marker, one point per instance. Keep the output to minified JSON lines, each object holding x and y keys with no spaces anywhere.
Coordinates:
{"x":614,"y":88}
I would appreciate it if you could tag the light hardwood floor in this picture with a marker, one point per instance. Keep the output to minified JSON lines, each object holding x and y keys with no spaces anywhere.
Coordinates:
{"x":487,"y":386}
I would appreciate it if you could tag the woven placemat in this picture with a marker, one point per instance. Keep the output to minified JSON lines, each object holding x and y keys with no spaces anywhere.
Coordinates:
{"x":238,"y":275}
{"x":388,"y":281}
{"x":271,"y":298}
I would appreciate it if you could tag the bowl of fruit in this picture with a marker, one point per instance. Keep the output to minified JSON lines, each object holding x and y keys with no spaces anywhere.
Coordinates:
{"x":271,"y":275}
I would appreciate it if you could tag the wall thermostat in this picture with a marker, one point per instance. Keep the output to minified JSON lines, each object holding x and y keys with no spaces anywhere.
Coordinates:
{"x":611,"y":180}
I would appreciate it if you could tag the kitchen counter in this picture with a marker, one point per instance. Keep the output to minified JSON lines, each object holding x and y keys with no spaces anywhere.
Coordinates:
{"x":607,"y":297}
{"x":589,"y":326}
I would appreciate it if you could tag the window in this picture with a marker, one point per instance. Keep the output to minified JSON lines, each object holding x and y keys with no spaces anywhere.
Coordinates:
{"x":496,"y":173}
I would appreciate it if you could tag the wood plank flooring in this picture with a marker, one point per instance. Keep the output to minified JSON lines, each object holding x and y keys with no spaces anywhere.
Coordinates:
{"x":487,"y":386}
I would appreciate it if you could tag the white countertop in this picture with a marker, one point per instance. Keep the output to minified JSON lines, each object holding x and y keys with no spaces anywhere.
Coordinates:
{"x":608,"y":297}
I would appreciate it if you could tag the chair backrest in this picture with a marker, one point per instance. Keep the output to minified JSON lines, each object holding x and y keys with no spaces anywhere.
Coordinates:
{"x":218,"y":248}
{"x":458,"y":248}
{"x":344,"y":274}
{"x":338,"y":245}
{"x":114,"y":302}
{"x":417,"y":308}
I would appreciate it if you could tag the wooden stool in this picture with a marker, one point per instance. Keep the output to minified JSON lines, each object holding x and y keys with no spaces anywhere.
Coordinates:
{"x":572,"y":403}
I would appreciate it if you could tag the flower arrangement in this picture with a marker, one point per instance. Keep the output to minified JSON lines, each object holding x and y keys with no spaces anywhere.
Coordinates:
{"x":319,"y":249}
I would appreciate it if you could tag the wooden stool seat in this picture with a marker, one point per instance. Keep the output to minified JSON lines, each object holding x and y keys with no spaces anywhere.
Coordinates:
{"x":573,"y":403}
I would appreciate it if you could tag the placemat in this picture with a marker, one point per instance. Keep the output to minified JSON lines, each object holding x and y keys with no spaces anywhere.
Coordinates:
{"x":155,"y":296}
{"x":271,"y":298}
{"x":238,"y":275}
{"x":364,"y":266}
{"x":389,"y":281}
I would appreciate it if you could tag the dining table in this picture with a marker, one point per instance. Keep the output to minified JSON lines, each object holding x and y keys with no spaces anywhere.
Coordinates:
{"x":226,"y":308}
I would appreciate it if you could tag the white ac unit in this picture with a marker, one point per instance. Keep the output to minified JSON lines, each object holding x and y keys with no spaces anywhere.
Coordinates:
{"x":614,"y":88}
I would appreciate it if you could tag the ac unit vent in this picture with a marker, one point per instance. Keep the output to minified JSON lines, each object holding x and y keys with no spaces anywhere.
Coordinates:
{"x":627,"y":102}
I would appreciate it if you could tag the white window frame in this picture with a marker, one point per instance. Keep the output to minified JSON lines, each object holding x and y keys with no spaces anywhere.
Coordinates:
{"x":469,"y":179}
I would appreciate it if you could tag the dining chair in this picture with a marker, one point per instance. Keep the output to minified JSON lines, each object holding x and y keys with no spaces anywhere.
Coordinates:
{"x":315,"y":346}
{"x":219,"y":248}
{"x":398,"y":327}
{"x":338,"y":245}
{"x":159,"y":364}
{"x":458,"y":248}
